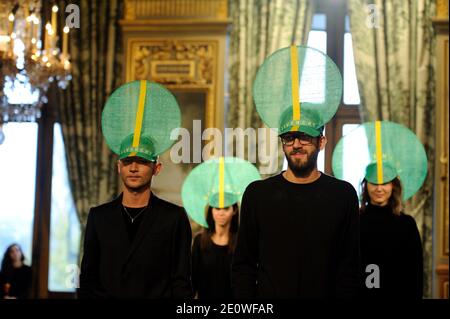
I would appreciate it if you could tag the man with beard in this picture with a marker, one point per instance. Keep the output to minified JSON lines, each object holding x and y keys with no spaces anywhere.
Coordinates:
{"x":138,"y":245}
{"x":298,"y":236}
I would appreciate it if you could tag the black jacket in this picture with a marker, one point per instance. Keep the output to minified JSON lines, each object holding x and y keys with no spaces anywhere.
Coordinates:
{"x":155,"y":265}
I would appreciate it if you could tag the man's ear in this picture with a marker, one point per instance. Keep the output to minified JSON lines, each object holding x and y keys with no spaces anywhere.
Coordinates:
{"x":157,"y":168}
{"x":322,"y":142}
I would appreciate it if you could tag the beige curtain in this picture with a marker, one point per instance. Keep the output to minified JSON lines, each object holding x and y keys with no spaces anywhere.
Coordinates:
{"x":95,"y":52}
{"x":259,"y":27}
{"x":393,"y":43}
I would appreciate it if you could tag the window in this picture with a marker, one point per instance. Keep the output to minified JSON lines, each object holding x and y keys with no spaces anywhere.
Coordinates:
{"x":336,"y":28}
{"x":64,"y":227}
{"x":18,"y":152}
{"x":352,"y":170}
{"x":351,"y":93}
{"x":31,"y":203}
{"x":317,"y":37}
{"x":17,"y":186}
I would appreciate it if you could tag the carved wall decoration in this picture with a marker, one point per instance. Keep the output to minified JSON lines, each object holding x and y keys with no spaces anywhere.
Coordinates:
{"x":174,"y":62}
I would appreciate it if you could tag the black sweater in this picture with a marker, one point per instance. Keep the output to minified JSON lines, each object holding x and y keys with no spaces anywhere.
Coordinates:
{"x":297,"y":240}
{"x":19,"y":280}
{"x":392,"y":242}
{"x":211,"y":271}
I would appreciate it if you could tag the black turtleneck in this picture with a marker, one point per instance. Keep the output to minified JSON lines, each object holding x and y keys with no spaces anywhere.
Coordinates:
{"x":393,"y":243}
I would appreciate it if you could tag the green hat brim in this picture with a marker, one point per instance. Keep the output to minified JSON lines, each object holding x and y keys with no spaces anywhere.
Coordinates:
{"x":145,"y":149}
{"x":389,"y":173}
{"x":228,"y":200}
{"x":145,"y":156}
{"x":310,"y":121}
{"x":305,"y":129}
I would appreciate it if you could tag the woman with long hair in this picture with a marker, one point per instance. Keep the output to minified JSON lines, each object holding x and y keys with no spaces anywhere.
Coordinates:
{"x":15,"y":276}
{"x":210,"y":195}
{"x":390,"y":240}
{"x":215,"y":246}
{"x":390,"y":244}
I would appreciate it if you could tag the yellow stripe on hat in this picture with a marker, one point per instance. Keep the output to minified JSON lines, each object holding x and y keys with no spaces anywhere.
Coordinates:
{"x":379,"y":152}
{"x":295,"y":88}
{"x":221,"y":182}
{"x":139,"y":115}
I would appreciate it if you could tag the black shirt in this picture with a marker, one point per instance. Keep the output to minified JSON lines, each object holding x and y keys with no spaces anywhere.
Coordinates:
{"x":392,"y":242}
{"x":297,"y":240}
{"x":19,"y":280}
{"x":137,"y":215}
{"x":211,"y":269}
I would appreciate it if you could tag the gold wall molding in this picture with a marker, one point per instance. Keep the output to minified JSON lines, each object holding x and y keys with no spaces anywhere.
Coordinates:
{"x":441,"y":233}
{"x":175,"y":9}
{"x":443,"y":158}
{"x":188,"y":65}
{"x":445,"y":290}
{"x":442,"y":281}
{"x":184,"y":62}
{"x":442,"y":9}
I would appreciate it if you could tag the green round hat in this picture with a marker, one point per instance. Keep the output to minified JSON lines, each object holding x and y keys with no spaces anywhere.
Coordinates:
{"x":297,"y":88}
{"x":385,"y":150}
{"x":138,"y":118}
{"x":217,"y":182}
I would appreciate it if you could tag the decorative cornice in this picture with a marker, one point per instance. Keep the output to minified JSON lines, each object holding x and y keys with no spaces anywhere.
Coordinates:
{"x":136,"y":10}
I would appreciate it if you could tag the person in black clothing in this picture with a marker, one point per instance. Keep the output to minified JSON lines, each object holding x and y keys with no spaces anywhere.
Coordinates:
{"x":212,"y":251}
{"x":138,"y":245}
{"x":15,"y":276}
{"x":393,"y":170}
{"x":299,"y":230}
{"x":299,"y":235}
{"x":389,"y":239}
{"x":210,"y":194}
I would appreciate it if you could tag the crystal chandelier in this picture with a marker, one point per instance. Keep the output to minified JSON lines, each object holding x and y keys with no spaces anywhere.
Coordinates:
{"x":29,"y":59}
